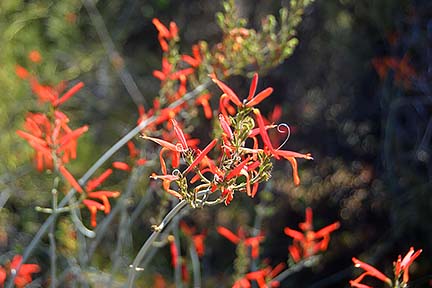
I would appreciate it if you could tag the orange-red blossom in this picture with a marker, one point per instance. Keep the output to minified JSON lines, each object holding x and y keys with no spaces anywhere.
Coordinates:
{"x":51,"y":137}
{"x":101,"y":195}
{"x":197,"y":238}
{"x":252,"y":100}
{"x":308,"y":242}
{"x":401,"y":270}
{"x":252,"y":242}
{"x":23,"y":276}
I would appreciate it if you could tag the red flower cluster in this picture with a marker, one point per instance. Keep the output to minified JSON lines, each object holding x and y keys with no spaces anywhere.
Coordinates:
{"x":252,"y":165}
{"x":55,"y":143}
{"x":308,"y":242}
{"x":401,"y":270}
{"x":23,"y":275}
{"x":49,"y":134}
{"x":91,"y":195}
{"x":52,"y":139}
{"x":165,"y":33}
{"x":261,"y":277}
{"x":252,"y":242}
{"x":403,"y":70}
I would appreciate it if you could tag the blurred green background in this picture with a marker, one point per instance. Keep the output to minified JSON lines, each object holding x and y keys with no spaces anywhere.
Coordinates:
{"x":356,"y":94}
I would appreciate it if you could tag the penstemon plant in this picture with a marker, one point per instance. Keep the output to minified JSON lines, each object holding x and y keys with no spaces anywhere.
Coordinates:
{"x":188,"y":173}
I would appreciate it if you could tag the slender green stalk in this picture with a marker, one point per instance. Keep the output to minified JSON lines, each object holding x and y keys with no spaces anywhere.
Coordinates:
{"x":196,"y":269}
{"x":147,"y":245}
{"x":178,"y":268}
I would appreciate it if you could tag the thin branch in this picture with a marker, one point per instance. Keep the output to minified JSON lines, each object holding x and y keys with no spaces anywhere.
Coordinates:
{"x":177,"y":269}
{"x":124,"y":75}
{"x":196,"y":269}
{"x":147,"y":245}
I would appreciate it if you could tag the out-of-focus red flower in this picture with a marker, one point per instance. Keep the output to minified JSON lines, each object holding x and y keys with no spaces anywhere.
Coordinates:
{"x":264,"y":276}
{"x":101,"y":195}
{"x":51,"y":94}
{"x":195,"y":59}
{"x":21,"y":72}
{"x":308,"y":242}
{"x":252,"y":242}
{"x":159,"y":281}
{"x":35,"y":56}
{"x":23,"y":275}
{"x":133,"y":156}
{"x":203,"y":100}
{"x":403,"y":70}
{"x":173,"y":250}
{"x":2,"y":276}
{"x":165,"y":33}
{"x":197,"y":239}
{"x":48,"y":139}
{"x":242,"y":283}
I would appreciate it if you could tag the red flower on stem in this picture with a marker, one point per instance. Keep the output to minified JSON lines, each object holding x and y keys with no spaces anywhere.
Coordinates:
{"x":309,"y":242}
{"x":101,"y":195}
{"x":252,"y":242}
{"x":197,"y":239}
{"x":250,"y":101}
{"x":24,"y":274}
{"x":194,"y":60}
{"x":51,"y":139}
{"x":133,"y":156}
{"x":165,"y":33}
{"x":401,"y":270}
{"x":51,"y":94}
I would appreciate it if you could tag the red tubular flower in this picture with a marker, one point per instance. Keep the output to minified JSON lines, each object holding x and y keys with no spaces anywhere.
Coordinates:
{"x":173,"y":250}
{"x":288,"y":155}
{"x":228,"y":234}
{"x":66,"y":96}
{"x":252,"y":242}
{"x":95,"y":182}
{"x":194,"y":61}
{"x":251,"y":99}
{"x":49,"y":139}
{"x":180,"y":135}
{"x":103,"y":196}
{"x":201,"y":156}
{"x":197,"y":239}
{"x":2,"y":276}
{"x":121,"y":166}
{"x":69,"y":178}
{"x":48,"y":93}
{"x":264,"y":276}
{"x":225,"y":127}
{"x":203,"y":100}
{"x":23,"y":275}
{"x":93,"y":206}
{"x":308,"y":242}
{"x":242,"y":283}
{"x":402,"y":265}
{"x":369,"y":271}
{"x":165,"y":33}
